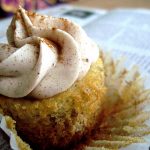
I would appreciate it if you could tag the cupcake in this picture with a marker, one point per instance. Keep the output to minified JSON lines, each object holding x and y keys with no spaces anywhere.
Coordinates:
{"x":123,"y":118}
{"x":51,"y":80}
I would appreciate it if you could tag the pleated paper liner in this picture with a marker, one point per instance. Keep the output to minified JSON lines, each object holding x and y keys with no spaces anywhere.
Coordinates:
{"x":7,"y":129}
{"x":4,"y":141}
{"x":123,"y":118}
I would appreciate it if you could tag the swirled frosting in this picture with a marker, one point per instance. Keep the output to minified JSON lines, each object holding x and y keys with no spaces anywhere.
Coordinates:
{"x":44,"y":57}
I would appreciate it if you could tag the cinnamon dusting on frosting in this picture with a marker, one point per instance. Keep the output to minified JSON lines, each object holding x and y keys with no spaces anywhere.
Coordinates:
{"x":48,"y":56}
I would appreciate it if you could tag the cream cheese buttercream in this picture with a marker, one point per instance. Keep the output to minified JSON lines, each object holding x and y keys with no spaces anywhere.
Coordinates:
{"x":45,"y":56}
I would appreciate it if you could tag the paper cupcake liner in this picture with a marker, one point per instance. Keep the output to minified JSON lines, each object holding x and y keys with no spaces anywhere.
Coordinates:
{"x":4,"y":141}
{"x":123,"y":124}
{"x":7,"y":126}
{"x":123,"y":118}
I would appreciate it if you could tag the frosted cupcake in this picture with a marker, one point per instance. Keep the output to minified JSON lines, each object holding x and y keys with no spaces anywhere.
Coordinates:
{"x":54,"y":80}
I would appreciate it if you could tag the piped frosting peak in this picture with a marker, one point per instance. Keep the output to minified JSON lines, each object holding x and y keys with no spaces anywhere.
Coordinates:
{"x":44,"y":57}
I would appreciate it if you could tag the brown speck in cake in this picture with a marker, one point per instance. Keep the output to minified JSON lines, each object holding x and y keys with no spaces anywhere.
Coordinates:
{"x":74,"y":113}
{"x":54,"y":28}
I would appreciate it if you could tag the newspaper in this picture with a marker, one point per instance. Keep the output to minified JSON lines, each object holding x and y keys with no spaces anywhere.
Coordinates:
{"x":123,"y":32}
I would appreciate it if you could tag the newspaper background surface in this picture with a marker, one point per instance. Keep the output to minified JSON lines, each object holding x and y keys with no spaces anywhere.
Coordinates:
{"x":123,"y":32}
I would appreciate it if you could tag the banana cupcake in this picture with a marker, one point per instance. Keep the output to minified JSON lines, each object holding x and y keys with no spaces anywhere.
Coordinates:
{"x":51,"y":80}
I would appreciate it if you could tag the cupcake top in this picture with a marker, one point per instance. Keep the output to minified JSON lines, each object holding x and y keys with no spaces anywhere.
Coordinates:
{"x":44,"y":57}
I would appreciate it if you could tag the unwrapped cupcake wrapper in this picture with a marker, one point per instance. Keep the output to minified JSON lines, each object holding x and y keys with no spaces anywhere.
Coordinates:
{"x":9,"y":140}
{"x":10,"y":143}
{"x":124,"y":124}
